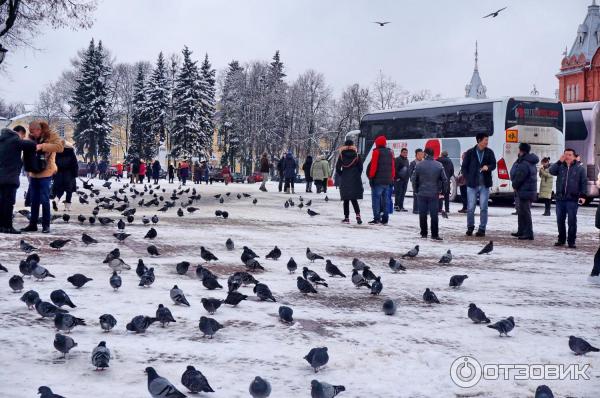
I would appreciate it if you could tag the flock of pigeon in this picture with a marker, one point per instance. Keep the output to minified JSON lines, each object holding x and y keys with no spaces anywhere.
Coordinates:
{"x":126,"y":200}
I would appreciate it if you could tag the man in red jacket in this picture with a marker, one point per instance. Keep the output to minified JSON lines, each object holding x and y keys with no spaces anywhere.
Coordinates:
{"x":381,"y":172}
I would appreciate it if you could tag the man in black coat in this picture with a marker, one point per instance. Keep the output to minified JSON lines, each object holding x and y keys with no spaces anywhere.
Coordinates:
{"x":571,"y":190}
{"x":449,"y":170}
{"x":11,"y":147}
{"x":477,"y":167}
{"x":280,"y":166}
{"x":401,"y":182}
{"x":428,"y":180}
{"x":523,"y":176}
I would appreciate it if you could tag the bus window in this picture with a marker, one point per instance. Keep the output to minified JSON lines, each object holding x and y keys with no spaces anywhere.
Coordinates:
{"x":534,"y":113}
{"x":576,"y":128}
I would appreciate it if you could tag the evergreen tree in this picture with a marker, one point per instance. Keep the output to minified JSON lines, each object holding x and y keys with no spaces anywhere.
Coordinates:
{"x":158,"y":101}
{"x":207,"y":102}
{"x":276,"y":95}
{"x":188,"y":137}
{"x":143,"y":143}
{"x":231,"y":113}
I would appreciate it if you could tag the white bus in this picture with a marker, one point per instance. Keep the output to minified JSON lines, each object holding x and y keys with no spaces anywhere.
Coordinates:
{"x":452,"y":125}
{"x":583,"y":135}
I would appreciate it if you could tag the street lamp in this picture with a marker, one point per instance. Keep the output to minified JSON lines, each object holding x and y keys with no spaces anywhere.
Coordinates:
{"x":2,"y":53}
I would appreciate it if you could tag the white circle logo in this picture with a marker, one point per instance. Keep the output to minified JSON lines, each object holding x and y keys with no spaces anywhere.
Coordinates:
{"x":465,"y":372}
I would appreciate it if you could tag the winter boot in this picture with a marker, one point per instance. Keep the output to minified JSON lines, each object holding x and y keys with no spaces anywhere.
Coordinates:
{"x":346,"y":221}
{"x":358,"y":219}
{"x":67,"y":207}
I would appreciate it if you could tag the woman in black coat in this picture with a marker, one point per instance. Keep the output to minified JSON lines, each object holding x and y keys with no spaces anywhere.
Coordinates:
{"x":65,"y":179}
{"x":306,"y":168}
{"x":349,"y":169}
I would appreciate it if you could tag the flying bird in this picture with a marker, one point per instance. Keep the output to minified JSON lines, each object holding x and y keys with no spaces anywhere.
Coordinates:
{"x":381,"y":23}
{"x":495,"y":13}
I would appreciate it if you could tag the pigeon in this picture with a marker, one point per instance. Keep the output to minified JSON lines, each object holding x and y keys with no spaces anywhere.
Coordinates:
{"x":63,"y":344}
{"x":456,"y":281}
{"x":487,"y":248}
{"x":180,"y":212}
{"x":311,"y":213}
{"x":359,"y":280}
{"x":16,"y":283}
{"x":30,"y":298}
{"x":121,"y":236}
{"x":249,"y":253}
{"x":46,"y":309}
{"x":253,"y":265}
{"x":543,"y":391}
{"x":78,"y":280}
{"x":151,"y":234}
{"x":59,"y":243}
{"x":115,"y":281}
{"x":312,"y":256}
{"x":26,"y":247}
{"x":333,"y":269}
{"x":66,"y":322}
{"x":105,"y":220}
{"x":203,"y":273}
{"x":121,"y":224}
{"x":254,"y":201}
{"x":141,"y":268}
{"x":229,"y":245}
{"x":429,"y":297}
{"x":91,"y":220}
{"x":320,"y":389}
{"x":291,"y":265}
{"x":580,"y":347}
{"x":317,"y":358}
{"x":152,"y":250}
{"x":263,"y":292}
{"x":26,"y":267}
{"x":130,"y":219}
{"x":495,"y":13}
{"x":114,"y":253}
{"x":211,"y":304}
{"x":274,"y":254}
{"x":154,"y":219}
{"x":286,"y":314}
{"x":211,"y":283}
{"x":87,"y":240}
{"x":145,"y":220}
{"x":207,"y":255}
{"x":159,"y":387}
{"x":177,"y":296}
{"x":259,"y":388}
{"x":368,"y":274}
{"x":412,"y":252}
{"x":118,"y":265}
{"x":304,"y":286}
{"x":148,"y":278}
{"x":182,"y":267}
{"x":164,"y":316}
{"x":192,"y":209}
{"x":60,"y":298}
{"x":195,"y":381}
{"x":446,"y":258}
{"x":140,"y":323}
{"x":382,"y":23}
{"x":357,"y":264}
{"x":389,"y":307}
{"x":504,"y":326}
{"x":477,"y":315}
{"x":209,"y":326}
{"x":376,"y":286}
{"x":46,"y":392}
{"x":107,"y":322}
{"x":234,"y":298}
{"x":309,"y":203}
{"x":395,"y":265}
{"x":40,"y":273}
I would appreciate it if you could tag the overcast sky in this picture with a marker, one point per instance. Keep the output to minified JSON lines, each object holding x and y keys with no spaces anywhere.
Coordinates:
{"x":429,"y":44}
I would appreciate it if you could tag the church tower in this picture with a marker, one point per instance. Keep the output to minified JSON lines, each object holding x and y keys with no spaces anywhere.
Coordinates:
{"x":476,"y":89}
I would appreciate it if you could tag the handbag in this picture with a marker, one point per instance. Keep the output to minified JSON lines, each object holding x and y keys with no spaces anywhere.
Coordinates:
{"x":461,"y":180}
{"x":39,"y":162}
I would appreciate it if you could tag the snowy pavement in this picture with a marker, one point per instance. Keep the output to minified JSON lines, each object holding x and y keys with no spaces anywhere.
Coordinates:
{"x":373,"y":355}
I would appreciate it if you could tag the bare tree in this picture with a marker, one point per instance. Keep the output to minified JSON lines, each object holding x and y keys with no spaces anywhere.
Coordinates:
{"x":386,"y":93}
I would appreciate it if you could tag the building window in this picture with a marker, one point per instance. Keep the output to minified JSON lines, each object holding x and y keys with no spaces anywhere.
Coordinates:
{"x":568,"y":93}
{"x":577,"y":93}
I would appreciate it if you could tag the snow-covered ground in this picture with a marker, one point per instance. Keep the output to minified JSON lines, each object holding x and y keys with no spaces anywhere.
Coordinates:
{"x":373,"y":355}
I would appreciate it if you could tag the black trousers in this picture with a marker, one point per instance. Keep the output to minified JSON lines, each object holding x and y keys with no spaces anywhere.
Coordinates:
{"x":463,"y":196}
{"x":354,"y":206}
{"x":281,"y":182}
{"x":289,"y":182}
{"x":524,"y":218}
{"x":547,"y":204}
{"x":7,"y":201}
{"x":309,"y":185}
{"x":445,"y":202}
{"x":400,"y":192}
{"x":428,"y":206}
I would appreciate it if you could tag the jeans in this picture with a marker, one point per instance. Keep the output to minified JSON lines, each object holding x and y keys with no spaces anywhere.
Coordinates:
{"x":524,"y":218}
{"x":40,"y":195}
{"x":379,"y":198}
{"x":7,"y":201}
{"x":484,"y":196}
{"x":400,"y":189}
{"x":429,"y":206}
{"x":354,"y":206}
{"x":564,"y":209}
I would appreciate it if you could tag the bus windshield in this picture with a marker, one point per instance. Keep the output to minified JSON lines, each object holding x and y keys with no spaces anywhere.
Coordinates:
{"x":534,"y":113}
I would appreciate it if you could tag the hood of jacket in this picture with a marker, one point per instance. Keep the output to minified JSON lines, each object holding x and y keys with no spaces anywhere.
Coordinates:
{"x":348,"y":155}
{"x":381,"y":142}
{"x":6,"y":134}
{"x":530,"y":158}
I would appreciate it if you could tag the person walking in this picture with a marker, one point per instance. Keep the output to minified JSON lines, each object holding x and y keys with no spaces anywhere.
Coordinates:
{"x":523,"y":176}
{"x":477,"y":167}
{"x":206,"y":172}
{"x":65,"y":179}
{"x":546,"y":185}
{"x":349,"y":168}
{"x":184,"y":171}
{"x":226,"y":172}
{"x":598,"y":207}
{"x":102,"y":169}
{"x":265,"y":167}
{"x":306,"y":168}
{"x":429,"y":180}
{"x":171,"y":172}
{"x":119,"y":171}
{"x":197,"y":172}
{"x":381,"y":172}
{"x":135,"y":170}
{"x":411,"y":169}
{"x":156,"y":168}
{"x":401,"y":180}
{"x":48,"y":144}
{"x":449,"y":171}
{"x":148,"y":171}
{"x":320,"y":173}
{"x":11,"y":148}
{"x":290,"y":169}
{"x":280,"y":167}
{"x":571,"y":190}
{"x":142,"y":172}
{"x":461,"y":181}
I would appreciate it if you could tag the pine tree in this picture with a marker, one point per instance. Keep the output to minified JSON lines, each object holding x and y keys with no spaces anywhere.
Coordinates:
{"x":231,"y":113}
{"x":276,"y":93}
{"x":188,"y":138}
{"x":157,"y":96}
{"x":143,"y":143}
{"x":92,"y":133}
{"x":207,"y":102}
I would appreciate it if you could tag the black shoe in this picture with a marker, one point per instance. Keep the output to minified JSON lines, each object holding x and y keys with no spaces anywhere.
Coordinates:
{"x":515,"y":234}
{"x":373,"y":222}
{"x":45,"y":230}
{"x":423,"y":236}
{"x":572,"y":246}
{"x":346,"y":221}
{"x":358,"y":220}
{"x":403,"y":209}
{"x":415,"y":212}
{"x":470,"y":231}
{"x":525,"y":238}
{"x":559,"y":243}
{"x":514,"y":213}
{"x":11,"y":230}
{"x":396,"y":208}
{"x":462,"y":211}
{"x":480,"y":233}
{"x":30,"y":228}
{"x":546,"y":214}
{"x":436,"y":238}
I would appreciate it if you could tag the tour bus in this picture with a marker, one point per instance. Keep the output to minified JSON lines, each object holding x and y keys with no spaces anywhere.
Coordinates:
{"x":452,"y":125}
{"x":583,"y":135}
